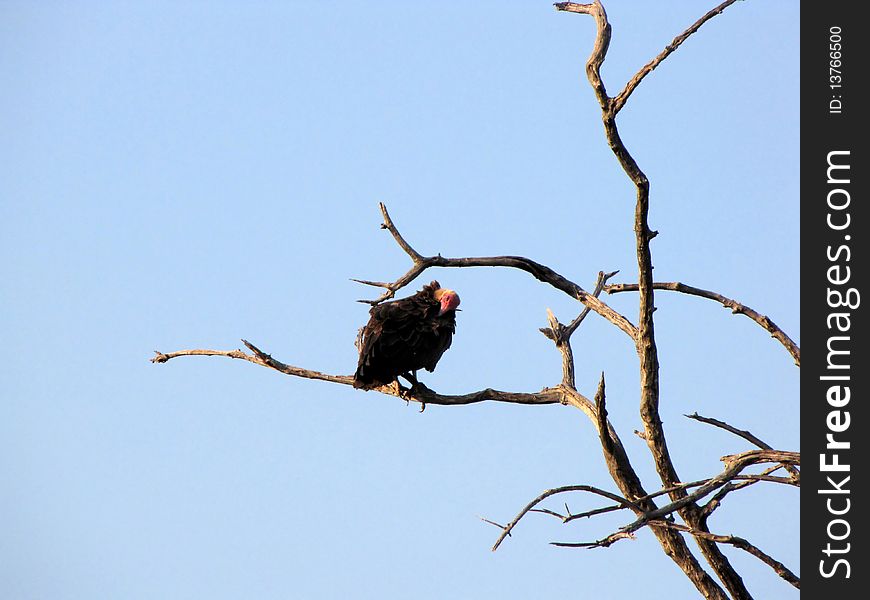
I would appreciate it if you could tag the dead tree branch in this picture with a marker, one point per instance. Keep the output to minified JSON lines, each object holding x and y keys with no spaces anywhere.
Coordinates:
{"x":739,"y":542}
{"x":620,"y":99}
{"x":506,"y":529}
{"x":421,"y":394}
{"x":735,"y":306}
{"x":746,"y":435}
{"x":561,"y":334}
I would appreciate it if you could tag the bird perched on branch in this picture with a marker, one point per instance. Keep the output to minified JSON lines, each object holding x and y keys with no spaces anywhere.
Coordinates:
{"x":405,"y":335}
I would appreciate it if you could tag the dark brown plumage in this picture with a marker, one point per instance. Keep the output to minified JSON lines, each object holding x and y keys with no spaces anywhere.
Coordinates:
{"x":405,"y":335}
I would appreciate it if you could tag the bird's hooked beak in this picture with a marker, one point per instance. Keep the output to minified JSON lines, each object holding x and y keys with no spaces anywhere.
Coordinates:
{"x":449,"y":301}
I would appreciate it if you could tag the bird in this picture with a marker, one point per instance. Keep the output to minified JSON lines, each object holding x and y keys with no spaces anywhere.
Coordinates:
{"x":405,"y":335}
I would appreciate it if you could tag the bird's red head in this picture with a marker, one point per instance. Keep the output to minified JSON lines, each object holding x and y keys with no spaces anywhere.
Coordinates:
{"x":448,"y":298}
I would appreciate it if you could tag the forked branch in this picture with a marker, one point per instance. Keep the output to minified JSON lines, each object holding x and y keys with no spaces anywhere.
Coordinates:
{"x":620,"y":99}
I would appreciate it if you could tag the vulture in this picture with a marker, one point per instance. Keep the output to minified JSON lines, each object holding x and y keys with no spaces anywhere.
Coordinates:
{"x":405,"y":335}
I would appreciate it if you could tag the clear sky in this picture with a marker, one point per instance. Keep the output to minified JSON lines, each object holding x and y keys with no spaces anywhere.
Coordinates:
{"x":185,"y":174}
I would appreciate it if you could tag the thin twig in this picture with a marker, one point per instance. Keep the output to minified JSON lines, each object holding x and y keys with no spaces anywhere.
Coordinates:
{"x":506,"y":530}
{"x":769,"y":478}
{"x":552,"y":513}
{"x":746,"y":435}
{"x":404,"y":245}
{"x":599,"y":287}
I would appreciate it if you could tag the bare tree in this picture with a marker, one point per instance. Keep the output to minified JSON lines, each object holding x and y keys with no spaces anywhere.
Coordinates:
{"x":676,"y":510}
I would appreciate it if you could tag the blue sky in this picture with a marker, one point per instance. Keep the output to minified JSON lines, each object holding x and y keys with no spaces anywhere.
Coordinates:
{"x":185,"y":174}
